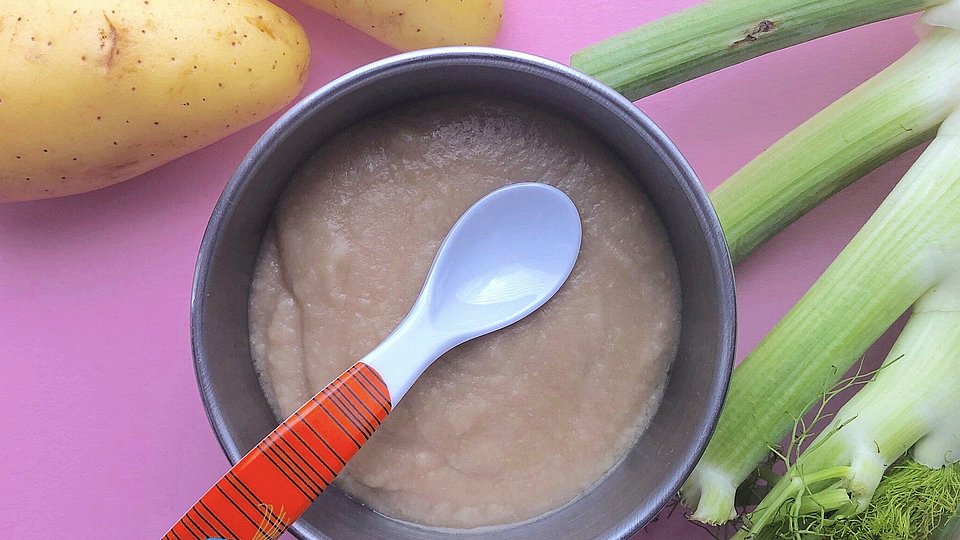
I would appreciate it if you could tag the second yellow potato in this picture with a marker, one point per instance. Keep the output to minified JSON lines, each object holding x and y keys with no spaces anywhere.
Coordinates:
{"x":419,"y":24}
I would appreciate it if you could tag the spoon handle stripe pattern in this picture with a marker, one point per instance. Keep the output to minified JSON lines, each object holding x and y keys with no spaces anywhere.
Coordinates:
{"x":276,"y":481}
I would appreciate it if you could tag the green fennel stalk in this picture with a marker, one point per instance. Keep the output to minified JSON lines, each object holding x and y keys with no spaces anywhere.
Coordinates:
{"x":900,"y":254}
{"x":720,"y":33}
{"x":895,"y":110}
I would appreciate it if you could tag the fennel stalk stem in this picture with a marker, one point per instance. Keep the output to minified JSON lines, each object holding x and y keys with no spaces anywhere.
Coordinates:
{"x":720,"y":33}
{"x":897,"y":109}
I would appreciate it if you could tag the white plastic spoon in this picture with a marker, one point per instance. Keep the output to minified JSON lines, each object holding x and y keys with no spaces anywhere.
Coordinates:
{"x":504,"y":258}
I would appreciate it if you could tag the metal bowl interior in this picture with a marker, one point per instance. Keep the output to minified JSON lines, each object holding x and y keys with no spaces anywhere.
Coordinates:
{"x":652,"y":472}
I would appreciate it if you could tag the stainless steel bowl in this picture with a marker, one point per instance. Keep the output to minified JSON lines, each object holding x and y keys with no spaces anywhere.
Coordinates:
{"x":653,"y":471}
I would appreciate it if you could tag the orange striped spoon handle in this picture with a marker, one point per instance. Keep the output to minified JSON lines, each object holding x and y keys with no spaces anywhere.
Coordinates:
{"x":275,"y":482}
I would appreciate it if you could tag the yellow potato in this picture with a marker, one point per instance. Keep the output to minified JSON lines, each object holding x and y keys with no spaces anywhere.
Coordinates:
{"x":94,"y":92}
{"x":418,"y":24}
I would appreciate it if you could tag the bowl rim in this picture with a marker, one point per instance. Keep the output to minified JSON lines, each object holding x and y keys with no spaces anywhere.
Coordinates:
{"x":273,"y":138}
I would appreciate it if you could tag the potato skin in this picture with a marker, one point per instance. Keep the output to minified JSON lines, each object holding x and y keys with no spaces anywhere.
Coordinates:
{"x":418,"y":24}
{"x":95,"y":92}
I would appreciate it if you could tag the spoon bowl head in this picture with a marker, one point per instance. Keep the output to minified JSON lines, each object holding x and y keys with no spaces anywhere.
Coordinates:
{"x":504,"y":258}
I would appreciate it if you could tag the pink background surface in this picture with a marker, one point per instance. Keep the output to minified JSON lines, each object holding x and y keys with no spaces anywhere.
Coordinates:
{"x":104,"y":432}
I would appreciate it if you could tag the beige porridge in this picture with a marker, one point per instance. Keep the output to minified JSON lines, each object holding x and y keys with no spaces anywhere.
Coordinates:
{"x":513,"y":424}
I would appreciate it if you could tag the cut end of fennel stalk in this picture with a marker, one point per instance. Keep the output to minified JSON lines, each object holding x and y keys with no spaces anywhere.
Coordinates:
{"x":712,"y":493}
